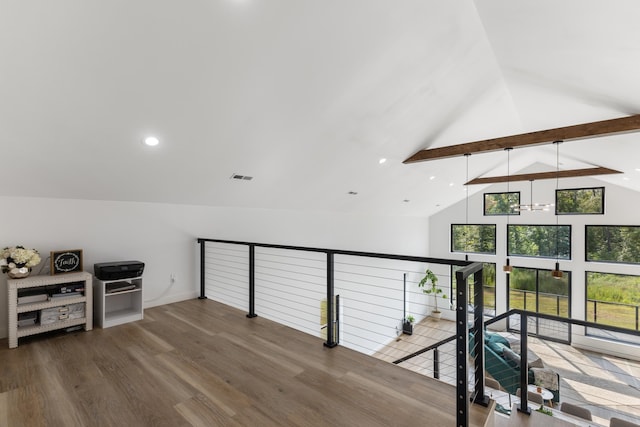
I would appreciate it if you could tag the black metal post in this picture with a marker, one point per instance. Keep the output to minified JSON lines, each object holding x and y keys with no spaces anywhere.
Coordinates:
{"x":462,"y":332}
{"x":524,"y":367}
{"x":436,"y":364}
{"x":202,"y":258}
{"x":252,"y":282}
{"x":595,"y":312}
{"x":478,"y":342}
{"x":331,"y":342}
{"x":637,"y":318}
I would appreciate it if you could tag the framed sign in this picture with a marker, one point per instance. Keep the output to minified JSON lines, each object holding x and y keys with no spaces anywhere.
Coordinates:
{"x":67,"y":261}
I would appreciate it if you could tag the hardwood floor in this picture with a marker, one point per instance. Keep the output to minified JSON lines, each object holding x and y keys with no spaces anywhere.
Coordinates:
{"x":201,"y":363}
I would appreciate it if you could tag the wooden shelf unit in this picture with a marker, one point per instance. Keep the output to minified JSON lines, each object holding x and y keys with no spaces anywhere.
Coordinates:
{"x":14,"y":285}
{"x":119,"y":307}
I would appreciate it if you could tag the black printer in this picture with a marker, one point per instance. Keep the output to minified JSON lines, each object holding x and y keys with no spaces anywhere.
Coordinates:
{"x":118,"y":270}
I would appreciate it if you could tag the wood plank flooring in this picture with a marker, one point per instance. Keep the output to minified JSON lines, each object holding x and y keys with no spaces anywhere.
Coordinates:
{"x":201,"y":363}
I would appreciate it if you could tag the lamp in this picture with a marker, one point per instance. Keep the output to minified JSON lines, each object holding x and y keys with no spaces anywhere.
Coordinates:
{"x":533,"y":207}
{"x":507,"y":267}
{"x":557,"y":273}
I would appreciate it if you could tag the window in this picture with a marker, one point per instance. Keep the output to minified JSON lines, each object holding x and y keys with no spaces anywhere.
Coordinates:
{"x":613,"y":243}
{"x":473,"y":238}
{"x":580,"y":201}
{"x":538,"y":291}
{"x":540,"y":241}
{"x":501,"y":203}
{"x":613,"y":299}
{"x":488,"y":287}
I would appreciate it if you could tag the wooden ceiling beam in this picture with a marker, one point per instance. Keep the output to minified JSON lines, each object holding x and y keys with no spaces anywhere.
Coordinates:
{"x":568,"y":133}
{"x":570,"y":173}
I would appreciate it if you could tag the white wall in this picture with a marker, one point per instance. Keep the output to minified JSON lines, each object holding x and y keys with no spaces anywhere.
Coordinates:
{"x":163,"y":236}
{"x":621,"y":207}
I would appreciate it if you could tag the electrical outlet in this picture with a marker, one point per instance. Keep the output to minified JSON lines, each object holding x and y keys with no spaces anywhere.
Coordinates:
{"x":172,"y":277}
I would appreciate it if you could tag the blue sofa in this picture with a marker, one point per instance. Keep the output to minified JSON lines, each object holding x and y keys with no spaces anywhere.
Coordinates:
{"x":503,"y":369}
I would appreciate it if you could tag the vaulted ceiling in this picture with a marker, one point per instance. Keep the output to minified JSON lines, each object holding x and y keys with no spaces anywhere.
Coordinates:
{"x":305,"y":96}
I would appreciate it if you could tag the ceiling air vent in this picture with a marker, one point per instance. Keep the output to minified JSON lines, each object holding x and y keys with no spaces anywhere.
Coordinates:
{"x":241,"y":177}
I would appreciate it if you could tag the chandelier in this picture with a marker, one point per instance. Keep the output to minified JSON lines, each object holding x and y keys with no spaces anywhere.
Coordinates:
{"x":532,"y":207}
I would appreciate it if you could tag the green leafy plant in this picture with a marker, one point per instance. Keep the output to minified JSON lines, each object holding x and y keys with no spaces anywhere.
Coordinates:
{"x":429,"y":285}
{"x":544,"y":410}
{"x":411,"y":319}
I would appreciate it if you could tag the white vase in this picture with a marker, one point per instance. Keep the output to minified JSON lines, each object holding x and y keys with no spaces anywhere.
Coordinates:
{"x":19,"y":273}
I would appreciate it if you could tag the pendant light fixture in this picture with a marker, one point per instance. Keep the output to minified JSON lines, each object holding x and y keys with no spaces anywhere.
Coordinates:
{"x":507,"y":267}
{"x":533,"y":207}
{"x":556,"y":272}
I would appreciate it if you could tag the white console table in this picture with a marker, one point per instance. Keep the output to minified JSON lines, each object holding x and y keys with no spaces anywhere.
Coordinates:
{"x":33,"y":282}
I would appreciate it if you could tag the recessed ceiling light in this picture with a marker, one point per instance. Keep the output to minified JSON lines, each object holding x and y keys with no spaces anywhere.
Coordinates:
{"x":151,"y":141}
{"x":451,"y":184}
{"x":432,"y":177}
{"x":626,"y":178}
{"x":382,"y":160}
{"x":637,"y":169}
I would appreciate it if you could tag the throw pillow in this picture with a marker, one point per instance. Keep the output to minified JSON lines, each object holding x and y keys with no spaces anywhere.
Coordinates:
{"x":499,"y":339}
{"x":537,"y":363}
{"x":512,"y":358}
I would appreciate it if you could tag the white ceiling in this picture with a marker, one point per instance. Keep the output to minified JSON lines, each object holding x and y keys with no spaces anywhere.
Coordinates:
{"x":305,"y":96}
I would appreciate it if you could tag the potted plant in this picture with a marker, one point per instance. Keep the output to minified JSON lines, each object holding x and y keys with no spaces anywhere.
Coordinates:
{"x":429,"y":285}
{"x":545,"y":411}
{"x":407,"y":325}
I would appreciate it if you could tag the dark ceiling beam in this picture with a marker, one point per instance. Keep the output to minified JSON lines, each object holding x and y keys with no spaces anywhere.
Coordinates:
{"x":571,"y":173}
{"x":568,"y":133}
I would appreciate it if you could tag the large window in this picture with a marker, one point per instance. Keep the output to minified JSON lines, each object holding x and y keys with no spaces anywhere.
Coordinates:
{"x":501,"y":203}
{"x":488,"y":287}
{"x":473,"y":238}
{"x":537,"y":290}
{"x":579,"y":201}
{"x":613,"y":243}
{"x":613,"y":299}
{"x":541,"y":241}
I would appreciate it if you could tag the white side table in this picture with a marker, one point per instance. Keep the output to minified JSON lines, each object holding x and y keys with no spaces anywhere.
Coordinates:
{"x":546,"y":394}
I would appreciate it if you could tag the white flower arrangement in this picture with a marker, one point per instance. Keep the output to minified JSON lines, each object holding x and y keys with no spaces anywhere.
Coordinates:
{"x":18,"y":260}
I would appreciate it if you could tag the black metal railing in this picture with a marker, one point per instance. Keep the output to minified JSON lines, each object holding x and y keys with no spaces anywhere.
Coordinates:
{"x":528,"y":318}
{"x":614,"y":313}
{"x":508,"y":382}
{"x":542,"y":302}
{"x":245,"y":271}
